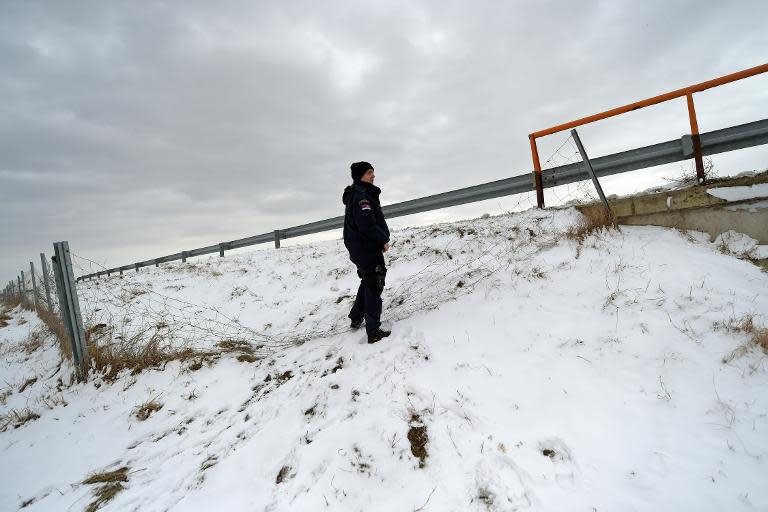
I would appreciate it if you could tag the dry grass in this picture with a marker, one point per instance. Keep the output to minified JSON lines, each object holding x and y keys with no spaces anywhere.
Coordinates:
{"x":244,"y":349}
{"x":109,"y":356}
{"x":145,"y":410}
{"x":4,"y":318}
{"x":57,"y":329}
{"x":103,"y":495}
{"x":283,"y":474}
{"x":595,"y":219}
{"x":758,"y":336}
{"x":16,"y":418}
{"x":112,"y":484}
{"x":14,"y":302}
{"x":118,"y":475}
{"x":34,"y":341}
{"x":235,"y":346}
{"x":27,"y":383}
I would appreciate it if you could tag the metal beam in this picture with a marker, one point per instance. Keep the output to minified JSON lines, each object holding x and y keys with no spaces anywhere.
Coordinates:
{"x":590,"y":170}
{"x":714,"y":142}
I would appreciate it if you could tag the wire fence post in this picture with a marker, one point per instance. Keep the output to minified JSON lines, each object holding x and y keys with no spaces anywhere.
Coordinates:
{"x":23,"y":287}
{"x":69,"y":305}
{"x":34,"y":284}
{"x":590,"y":170}
{"x":46,"y":284}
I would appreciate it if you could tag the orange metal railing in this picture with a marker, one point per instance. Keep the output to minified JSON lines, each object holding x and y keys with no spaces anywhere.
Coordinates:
{"x":685,"y":91}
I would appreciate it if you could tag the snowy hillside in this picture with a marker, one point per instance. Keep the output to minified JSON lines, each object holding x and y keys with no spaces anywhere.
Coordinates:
{"x":527,"y":370}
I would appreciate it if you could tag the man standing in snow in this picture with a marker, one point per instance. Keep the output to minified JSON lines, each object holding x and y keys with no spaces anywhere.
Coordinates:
{"x":366,"y":237}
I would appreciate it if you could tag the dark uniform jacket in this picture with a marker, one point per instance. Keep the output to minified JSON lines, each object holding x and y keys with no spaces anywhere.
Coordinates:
{"x":365,"y":230}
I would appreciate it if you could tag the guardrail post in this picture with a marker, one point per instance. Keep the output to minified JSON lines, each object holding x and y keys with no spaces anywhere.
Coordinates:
{"x":696,"y":139}
{"x":537,"y":172}
{"x":277,"y":239}
{"x":69,"y":306}
{"x":46,"y":284}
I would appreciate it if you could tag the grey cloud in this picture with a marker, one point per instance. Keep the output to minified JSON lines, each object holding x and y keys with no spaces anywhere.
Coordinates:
{"x":133,"y":130}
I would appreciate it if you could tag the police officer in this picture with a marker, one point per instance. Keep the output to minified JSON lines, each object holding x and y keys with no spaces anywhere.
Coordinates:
{"x":366,"y":237}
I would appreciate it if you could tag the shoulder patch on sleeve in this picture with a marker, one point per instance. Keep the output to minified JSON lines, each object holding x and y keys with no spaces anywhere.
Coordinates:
{"x":365,"y":204}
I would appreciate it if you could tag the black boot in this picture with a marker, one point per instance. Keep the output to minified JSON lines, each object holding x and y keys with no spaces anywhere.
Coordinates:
{"x":355,"y":324}
{"x":378,"y":335}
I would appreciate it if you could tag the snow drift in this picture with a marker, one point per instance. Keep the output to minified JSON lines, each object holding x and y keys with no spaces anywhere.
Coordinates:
{"x":526,"y":371}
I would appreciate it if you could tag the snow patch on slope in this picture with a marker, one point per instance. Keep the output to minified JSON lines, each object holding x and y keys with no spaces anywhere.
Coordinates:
{"x":557,"y":376}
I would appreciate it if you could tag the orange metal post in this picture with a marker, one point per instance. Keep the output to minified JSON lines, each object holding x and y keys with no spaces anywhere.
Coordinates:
{"x":685,"y":91}
{"x":763,"y":68}
{"x":696,"y":139}
{"x":537,"y":172}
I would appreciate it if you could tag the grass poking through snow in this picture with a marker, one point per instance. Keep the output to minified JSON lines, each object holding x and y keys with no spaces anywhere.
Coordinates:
{"x":112,"y":483}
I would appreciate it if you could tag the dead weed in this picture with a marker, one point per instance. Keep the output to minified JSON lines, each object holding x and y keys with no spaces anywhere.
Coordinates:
{"x":118,"y":475}
{"x":145,"y":410}
{"x":417,"y":435}
{"x":146,"y":349}
{"x":757,"y":336}
{"x":17,"y":418}
{"x":27,"y":383}
{"x":33,"y":341}
{"x":4,"y":318}
{"x":283,"y":474}
{"x":595,"y":218}
{"x":112,"y":484}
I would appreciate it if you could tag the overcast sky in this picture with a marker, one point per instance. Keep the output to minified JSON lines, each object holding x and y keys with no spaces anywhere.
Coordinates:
{"x":138,"y":129}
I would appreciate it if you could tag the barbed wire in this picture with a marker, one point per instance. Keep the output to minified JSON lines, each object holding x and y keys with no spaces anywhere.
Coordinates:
{"x":446,"y":276}
{"x":571,"y":193}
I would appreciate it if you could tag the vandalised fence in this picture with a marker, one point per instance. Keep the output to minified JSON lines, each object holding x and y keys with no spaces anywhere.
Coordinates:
{"x":690,"y":146}
{"x":714,"y":142}
{"x":571,"y":165}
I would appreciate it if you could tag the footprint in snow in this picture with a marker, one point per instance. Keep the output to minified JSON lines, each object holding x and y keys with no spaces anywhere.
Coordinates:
{"x":562,"y":461}
{"x":500,"y":485}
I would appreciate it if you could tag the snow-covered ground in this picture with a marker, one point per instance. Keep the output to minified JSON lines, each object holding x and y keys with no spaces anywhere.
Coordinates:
{"x":544,"y":374}
{"x":740,"y":193}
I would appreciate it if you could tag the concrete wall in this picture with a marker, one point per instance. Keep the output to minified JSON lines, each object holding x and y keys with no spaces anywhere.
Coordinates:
{"x":693,"y":208}
{"x":750,"y":218}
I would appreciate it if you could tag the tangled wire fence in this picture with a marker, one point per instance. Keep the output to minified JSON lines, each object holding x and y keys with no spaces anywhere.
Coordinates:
{"x":178,"y":322}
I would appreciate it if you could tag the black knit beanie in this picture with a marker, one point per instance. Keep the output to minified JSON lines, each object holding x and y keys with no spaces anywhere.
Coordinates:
{"x":358,"y":169}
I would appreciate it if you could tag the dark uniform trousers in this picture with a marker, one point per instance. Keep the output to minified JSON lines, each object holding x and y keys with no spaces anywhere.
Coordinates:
{"x":368,"y":300}
{"x":365,"y":235}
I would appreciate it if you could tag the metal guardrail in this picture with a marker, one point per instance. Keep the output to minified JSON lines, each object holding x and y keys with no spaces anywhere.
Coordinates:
{"x":688,"y":92}
{"x":718,"y":141}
